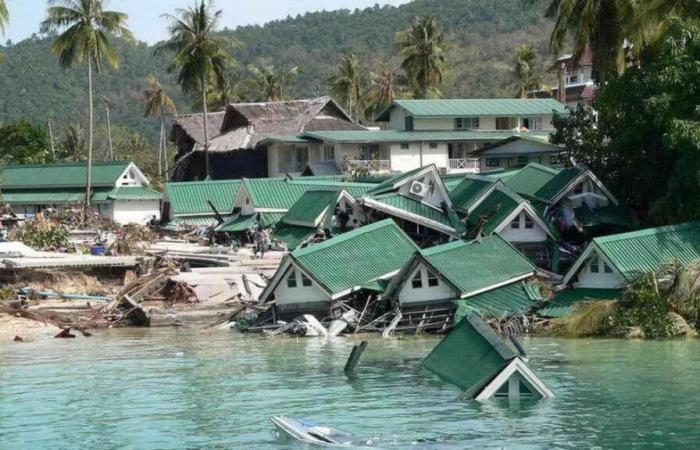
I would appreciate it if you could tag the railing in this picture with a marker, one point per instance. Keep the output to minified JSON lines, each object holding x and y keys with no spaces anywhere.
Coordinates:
{"x":372,"y":165}
{"x":465,"y":164}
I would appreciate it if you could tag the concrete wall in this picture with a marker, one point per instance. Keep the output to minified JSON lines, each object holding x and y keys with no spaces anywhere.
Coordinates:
{"x":425,"y":294}
{"x":135,"y":211}
{"x":284,"y":295}
{"x":522,"y":234}
{"x":601,"y":280}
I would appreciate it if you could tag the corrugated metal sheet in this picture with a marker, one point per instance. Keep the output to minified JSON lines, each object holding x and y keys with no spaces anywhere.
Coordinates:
{"x":49,"y":196}
{"x":244,"y":223}
{"x":191,"y":197}
{"x":564,"y":301}
{"x":481,"y":107}
{"x":134,"y":193}
{"x":310,"y":206}
{"x":357,"y":257}
{"x":476,"y":265}
{"x":292,"y":235}
{"x":468,"y":191}
{"x":61,"y":175}
{"x":279,"y":193}
{"x":414,"y":207}
{"x":649,"y":250}
{"x":393,"y":136}
{"x":559,"y":182}
{"x":494,"y":209}
{"x":512,"y":299}
{"x":530,"y":179}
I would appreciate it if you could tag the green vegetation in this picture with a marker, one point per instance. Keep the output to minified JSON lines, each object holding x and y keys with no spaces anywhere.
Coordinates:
{"x":158,"y":104}
{"x":422,"y":47}
{"x":269,"y":83}
{"x":348,"y":84}
{"x":23,"y":143}
{"x":644,"y":141}
{"x":527,"y":75}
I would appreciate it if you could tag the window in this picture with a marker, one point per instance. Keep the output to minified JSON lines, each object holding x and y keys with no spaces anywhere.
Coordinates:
{"x":433,"y":145}
{"x":554,"y":159}
{"x":417,"y":281}
{"x":493,"y":162}
{"x":523,"y":160}
{"x":369,"y":151}
{"x":466,"y":123}
{"x":408,"y":123}
{"x":532,"y":123}
{"x":432,"y":279}
{"x":528,"y":222}
{"x":292,"y":280}
{"x":329,"y":152}
{"x":515,"y":224}
{"x":405,"y":146}
{"x":595,"y":265}
{"x":504,"y":123}
{"x":305,"y":281}
{"x":606,"y":268}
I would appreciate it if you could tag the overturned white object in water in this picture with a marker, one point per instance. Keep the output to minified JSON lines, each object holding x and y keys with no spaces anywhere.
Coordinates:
{"x":312,"y":433}
{"x":314,"y":327}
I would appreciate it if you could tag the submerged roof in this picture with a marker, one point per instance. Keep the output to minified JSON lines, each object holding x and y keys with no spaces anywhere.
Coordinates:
{"x":357,"y":257}
{"x":476,"y":107}
{"x":190,"y":198}
{"x":61,"y":175}
{"x":478,"y":266}
{"x":470,"y":356}
{"x":293,"y":235}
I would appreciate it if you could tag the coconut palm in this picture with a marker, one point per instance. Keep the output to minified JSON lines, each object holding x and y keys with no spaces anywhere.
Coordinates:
{"x":86,"y":29}
{"x":200,"y":56}
{"x":269,"y":82}
{"x":157,"y":105}
{"x":652,"y":19}
{"x":383,"y":90}
{"x":598,"y":23}
{"x":422,"y":45}
{"x":348,"y":83}
{"x":4,"y":16}
{"x":525,"y":73}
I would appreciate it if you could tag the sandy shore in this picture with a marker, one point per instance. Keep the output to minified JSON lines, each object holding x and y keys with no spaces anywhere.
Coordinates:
{"x":11,"y":326}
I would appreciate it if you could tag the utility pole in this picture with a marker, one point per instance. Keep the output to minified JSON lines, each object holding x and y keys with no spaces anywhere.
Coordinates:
{"x":53,"y":148}
{"x":105,"y":99}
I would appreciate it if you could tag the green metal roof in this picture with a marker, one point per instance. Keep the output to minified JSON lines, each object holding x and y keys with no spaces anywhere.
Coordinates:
{"x":530,"y":179}
{"x":73,"y":174}
{"x":494,"y":209}
{"x":564,"y":301}
{"x":244,"y":223}
{"x":613,"y":215}
{"x":512,"y":299}
{"x":388,"y":184}
{"x":293,"y":235}
{"x":393,"y":136}
{"x":191,"y":197}
{"x":639,"y":252}
{"x":470,"y":356}
{"x":288,"y":139}
{"x":469,"y":189}
{"x":188,"y":223}
{"x":357,"y":257}
{"x":48,"y":196}
{"x":558,"y":183}
{"x":134,"y":193}
{"x":477,"y":107}
{"x":415,"y":207}
{"x":280,"y":193}
{"x":310,"y":206}
{"x":476,"y":266}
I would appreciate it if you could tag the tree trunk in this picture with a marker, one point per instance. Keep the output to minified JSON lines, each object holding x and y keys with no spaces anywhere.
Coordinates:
{"x":161,"y":143}
{"x":53,"y":148}
{"x":109,"y":133}
{"x":206,"y":130}
{"x":165,"y":147}
{"x":88,"y":187}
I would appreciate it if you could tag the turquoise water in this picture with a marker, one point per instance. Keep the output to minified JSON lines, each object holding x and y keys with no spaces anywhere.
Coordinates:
{"x":182,"y":389}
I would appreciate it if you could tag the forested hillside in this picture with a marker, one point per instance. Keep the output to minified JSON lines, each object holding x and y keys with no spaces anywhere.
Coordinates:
{"x":484,"y":33}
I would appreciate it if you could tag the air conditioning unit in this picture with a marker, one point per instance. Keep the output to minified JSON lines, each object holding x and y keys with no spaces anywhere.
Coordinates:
{"x":419,"y":189}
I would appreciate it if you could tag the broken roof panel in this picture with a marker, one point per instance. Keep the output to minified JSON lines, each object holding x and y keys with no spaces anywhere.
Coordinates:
{"x":512,"y":299}
{"x":190,"y":198}
{"x":412,"y":206}
{"x":564,"y":301}
{"x":308,"y":209}
{"x":494,"y":209}
{"x":554,"y":186}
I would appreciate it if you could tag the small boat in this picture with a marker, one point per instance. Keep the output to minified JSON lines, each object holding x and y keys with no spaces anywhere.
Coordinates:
{"x":313,"y":433}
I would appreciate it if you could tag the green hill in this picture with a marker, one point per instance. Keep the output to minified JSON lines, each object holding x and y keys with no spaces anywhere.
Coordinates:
{"x":34,"y":87}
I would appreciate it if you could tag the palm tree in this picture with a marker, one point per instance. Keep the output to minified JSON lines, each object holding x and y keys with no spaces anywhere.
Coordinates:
{"x":4,"y":16}
{"x":85,"y":40}
{"x":157,"y":105}
{"x":269,"y":82}
{"x":228,"y":89}
{"x":384,"y":89}
{"x":74,"y":142}
{"x":422,"y":45}
{"x":598,"y":23}
{"x":200,"y":57}
{"x":348,"y":83}
{"x":653,"y":17}
{"x":525,"y":73}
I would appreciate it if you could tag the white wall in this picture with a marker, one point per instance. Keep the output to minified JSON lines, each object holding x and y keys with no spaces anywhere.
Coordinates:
{"x":404,"y":160}
{"x":273,"y":163}
{"x":130,"y":178}
{"x":487,"y":123}
{"x":522,"y":234}
{"x":285,"y":295}
{"x":600,"y":280}
{"x":244,"y":203}
{"x":438,"y":156}
{"x":435,"y":198}
{"x":135,"y":211}
{"x":408,"y":295}
{"x":434,"y":124}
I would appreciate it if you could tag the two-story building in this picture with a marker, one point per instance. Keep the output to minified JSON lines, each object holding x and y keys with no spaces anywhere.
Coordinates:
{"x":575,"y":80}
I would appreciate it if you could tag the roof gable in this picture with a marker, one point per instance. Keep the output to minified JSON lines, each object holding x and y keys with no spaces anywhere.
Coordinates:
{"x":521,"y":144}
{"x":494,"y":209}
{"x":311,"y":206}
{"x":427,"y":175}
{"x":63,"y":175}
{"x":475,"y":107}
{"x":557,"y":184}
{"x":470,"y":190}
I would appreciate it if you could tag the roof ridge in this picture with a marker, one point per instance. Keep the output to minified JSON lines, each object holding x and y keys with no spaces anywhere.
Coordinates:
{"x":66,"y":164}
{"x":646,"y":232}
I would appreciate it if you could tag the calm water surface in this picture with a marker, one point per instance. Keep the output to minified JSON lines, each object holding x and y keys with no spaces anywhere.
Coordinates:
{"x":182,"y":389}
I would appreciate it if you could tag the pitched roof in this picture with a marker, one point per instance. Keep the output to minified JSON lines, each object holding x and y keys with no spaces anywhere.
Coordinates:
{"x":292,"y":235}
{"x":495,"y":208}
{"x":476,"y":107}
{"x":190,"y":198}
{"x":522,"y":143}
{"x":390,"y":183}
{"x":134,"y":193}
{"x":478,"y":266}
{"x":511,"y":299}
{"x":638,"y":252}
{"x":469,"y":190}
{"x":415,"y":207}
{"x":560,"y":181}
{"x":470,"y":356}
{"x":357,"y":257}
{"x":307,"y":210}
{"x":530,"y":179}
{"x":193,"y":125}
{"x":61,"y":175}
{"x":564,"y":301}
{"x":244,"y":223}
{"x":281,"y":194}
{"x":389,"y":136}
{"x":54,"y":196}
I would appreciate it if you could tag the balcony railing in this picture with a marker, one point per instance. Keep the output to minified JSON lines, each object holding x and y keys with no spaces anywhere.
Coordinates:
{"x":372,"y":165}
{"x":465,"y":164}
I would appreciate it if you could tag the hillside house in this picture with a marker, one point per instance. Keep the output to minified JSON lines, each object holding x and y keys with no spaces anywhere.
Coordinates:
{"x":576,"y":76}
{"x":238,"y":138}
{"x":356,"y":264}
{"x":119,"y":189}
